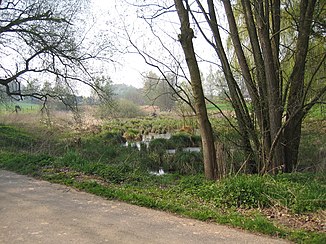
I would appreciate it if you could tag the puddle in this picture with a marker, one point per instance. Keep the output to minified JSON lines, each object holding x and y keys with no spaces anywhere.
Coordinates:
{"x":134,"y":144}
{"x":159,"y":172}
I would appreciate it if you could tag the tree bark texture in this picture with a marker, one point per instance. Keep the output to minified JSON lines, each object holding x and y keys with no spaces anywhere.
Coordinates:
{"x":276,"y":139}
{"x":185,"y":38}
{"x":295,"y":113}
{"x":244,"y":121}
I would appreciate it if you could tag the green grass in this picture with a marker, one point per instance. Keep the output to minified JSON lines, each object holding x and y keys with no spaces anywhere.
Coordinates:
{"x":24,"y":163}
{"x":12,"y":137}
{"x":317,"y":112}
{"x":104,"y":168}
{"x":190,"y":196}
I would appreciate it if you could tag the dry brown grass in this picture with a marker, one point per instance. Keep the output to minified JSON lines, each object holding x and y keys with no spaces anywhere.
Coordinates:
{"x":64,"y":120}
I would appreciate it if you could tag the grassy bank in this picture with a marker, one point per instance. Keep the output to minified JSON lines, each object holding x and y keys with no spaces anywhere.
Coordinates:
{"x":290,"y":206}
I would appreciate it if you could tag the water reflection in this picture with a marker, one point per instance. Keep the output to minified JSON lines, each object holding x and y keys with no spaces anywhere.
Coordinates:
{"x":151,"y":136}
{"x":159,"y":172}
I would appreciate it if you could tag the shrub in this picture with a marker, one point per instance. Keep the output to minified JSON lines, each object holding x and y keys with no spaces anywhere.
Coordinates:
{"x":159,"y":145}
{"x":132,"y":135}
{"x":97,"y":148}
{"x":128,"y":109}
{"x":182,"y":140}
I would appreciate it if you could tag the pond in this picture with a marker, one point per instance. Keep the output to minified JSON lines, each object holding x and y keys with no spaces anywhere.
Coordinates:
{"x":146,"y":139}
{"x":151,"y":136}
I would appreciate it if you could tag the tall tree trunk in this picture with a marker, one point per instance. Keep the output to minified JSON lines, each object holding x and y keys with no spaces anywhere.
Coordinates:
{"x":295,"y":113}
{"x":261,"y":79}
{"x":275,"y":110}
{"x":185,"y":38}
{"x":253,"y":91}
{"x":280,"y":140}
{"x":243,"y":118}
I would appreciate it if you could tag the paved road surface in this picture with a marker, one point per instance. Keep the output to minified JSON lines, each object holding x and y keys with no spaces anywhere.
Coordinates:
{"x":33,"y":211}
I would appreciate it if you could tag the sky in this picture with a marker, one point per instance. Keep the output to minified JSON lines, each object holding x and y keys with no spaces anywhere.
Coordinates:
{"x":113,"y":17}
{"x":127,"y":67}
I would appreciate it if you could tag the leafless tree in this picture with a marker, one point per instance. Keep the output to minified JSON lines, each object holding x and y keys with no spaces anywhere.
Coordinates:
{"x":40,"y":41}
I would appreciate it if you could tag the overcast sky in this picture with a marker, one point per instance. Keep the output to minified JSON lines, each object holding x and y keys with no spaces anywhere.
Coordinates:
{"x":113,"y":15}
{"x":127,"y":67}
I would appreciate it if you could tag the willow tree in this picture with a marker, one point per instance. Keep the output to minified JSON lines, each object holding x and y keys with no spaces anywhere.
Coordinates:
{"x":280,"y":102}
{"x":271,"y":42}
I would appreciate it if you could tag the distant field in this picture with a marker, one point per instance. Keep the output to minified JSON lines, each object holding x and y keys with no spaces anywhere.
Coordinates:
{"x":222,"y":106}
{"x":317,"y":112}
{"x":25,"y":107}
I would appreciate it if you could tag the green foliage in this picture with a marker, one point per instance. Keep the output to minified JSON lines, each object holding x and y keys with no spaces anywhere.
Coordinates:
{"x":307,"y":237}
{"x":72,"y":159}
{"x":157,"y":154}
{"x":222,"y":105}
{"x":101,"y":149}
{"x":121,"y":109}
{"x":159,"y":145}
{"x":312,"y":152}
{"x":14,"y":138}
{"x":317,"y":112}
{"x":132,"y":135}
{"x":112,"y":137}
{"x":145,"y":124}
{"x":308,"y":191}
{"x":299,"y":193}
{"x":181,"y":162}
{"x":128,"y":109}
